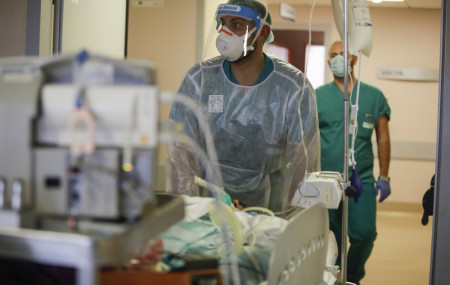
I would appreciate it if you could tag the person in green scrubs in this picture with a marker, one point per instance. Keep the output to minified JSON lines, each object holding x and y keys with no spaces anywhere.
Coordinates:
{"x":373,"y":114}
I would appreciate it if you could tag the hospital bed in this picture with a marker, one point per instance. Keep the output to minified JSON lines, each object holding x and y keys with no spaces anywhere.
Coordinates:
{"x":300,"y":253}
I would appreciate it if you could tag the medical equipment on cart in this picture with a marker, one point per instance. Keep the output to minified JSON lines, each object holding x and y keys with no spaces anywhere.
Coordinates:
{"x":98,"y":184}
{"x":319,"y":187}
{"x":78,"y":162}
{"x":43,"y":163}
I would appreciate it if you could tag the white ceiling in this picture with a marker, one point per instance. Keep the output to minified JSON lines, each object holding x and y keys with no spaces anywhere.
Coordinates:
{"x":414,"y":4}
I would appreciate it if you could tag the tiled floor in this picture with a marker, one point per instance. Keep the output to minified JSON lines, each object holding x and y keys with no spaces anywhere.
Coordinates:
{"x":402,"y":250}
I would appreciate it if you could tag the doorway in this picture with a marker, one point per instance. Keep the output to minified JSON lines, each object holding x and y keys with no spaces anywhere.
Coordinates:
{"x":292,"y":46}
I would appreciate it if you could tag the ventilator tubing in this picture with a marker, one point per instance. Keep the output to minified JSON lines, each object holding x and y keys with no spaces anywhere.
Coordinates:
{"x":216,"y":187}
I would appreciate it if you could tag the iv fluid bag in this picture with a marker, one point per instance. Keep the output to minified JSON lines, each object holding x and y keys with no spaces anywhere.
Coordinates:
{"x":359,"y":25}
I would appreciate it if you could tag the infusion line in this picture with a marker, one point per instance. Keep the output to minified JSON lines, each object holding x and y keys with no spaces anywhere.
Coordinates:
{"x":302,"y":134}
{"x":355,"y":115}
{"x":210,"y":168}
{"x":168,"y":97}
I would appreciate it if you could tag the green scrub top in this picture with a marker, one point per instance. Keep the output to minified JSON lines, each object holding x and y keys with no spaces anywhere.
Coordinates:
{"x":330,"y":105}
{"x":267,"y":70}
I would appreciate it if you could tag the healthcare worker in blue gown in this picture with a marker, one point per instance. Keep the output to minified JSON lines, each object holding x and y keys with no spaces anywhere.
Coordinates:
{"x":373,"y":114}
{"x":260,"y":109}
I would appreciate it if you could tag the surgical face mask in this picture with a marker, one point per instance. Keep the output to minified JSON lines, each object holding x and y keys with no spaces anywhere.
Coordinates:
{"x":337,"y":65}
{"x":232,"y":46}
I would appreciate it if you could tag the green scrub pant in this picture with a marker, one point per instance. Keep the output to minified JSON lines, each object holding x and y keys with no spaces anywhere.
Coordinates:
{"x":361,"y":231}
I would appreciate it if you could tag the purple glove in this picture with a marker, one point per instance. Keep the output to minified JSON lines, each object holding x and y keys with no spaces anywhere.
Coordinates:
{"x":356,"y":182}
{"x":384,"y":188}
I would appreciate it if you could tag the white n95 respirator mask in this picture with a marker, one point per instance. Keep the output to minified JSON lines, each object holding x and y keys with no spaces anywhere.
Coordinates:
{"x":337,"y":65}
{"x":232,"y":46}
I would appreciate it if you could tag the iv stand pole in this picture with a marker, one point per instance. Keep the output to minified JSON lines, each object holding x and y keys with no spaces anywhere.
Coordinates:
{"x":346,"y":152}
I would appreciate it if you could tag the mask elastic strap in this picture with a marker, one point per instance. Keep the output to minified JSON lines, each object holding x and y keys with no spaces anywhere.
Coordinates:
{"x":250,"y":47}
{"x":262,"y":24}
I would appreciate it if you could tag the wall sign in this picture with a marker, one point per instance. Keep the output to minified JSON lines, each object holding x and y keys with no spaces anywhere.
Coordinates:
{"x":148,"y":3}
{"x":412,"y":74}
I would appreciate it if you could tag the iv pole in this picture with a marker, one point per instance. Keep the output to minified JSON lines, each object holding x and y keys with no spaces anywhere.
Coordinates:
{"x":346,"y":152}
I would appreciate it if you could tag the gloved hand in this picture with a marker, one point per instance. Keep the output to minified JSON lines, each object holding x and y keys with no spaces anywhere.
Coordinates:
{"x":356,"y":182}
{"x":384,"y":188}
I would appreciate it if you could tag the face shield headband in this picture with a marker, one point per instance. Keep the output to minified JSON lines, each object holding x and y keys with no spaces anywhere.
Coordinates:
{"x":240,"y":11}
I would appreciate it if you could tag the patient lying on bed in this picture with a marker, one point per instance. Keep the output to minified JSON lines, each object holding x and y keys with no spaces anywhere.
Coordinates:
{"x":249,"y":236}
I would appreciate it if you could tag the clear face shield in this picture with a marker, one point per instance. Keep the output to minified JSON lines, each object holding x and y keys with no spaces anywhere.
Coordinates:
{"x":234,"y":32}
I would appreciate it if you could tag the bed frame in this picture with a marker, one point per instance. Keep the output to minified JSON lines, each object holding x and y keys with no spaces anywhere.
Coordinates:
{"x":300,"y":253}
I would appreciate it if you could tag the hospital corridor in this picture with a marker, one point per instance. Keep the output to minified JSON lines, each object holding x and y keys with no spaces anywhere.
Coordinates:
{"x":402,"y":249}
{"x":224,"y":142}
